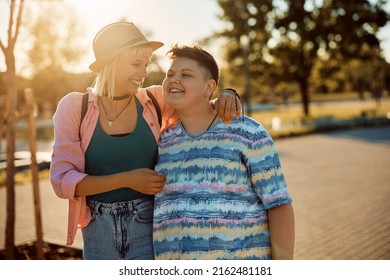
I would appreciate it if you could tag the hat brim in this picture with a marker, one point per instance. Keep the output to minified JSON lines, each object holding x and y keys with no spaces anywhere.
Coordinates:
{"x":99,"y":63}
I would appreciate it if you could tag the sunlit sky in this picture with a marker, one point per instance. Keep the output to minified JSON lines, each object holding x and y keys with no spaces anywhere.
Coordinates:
{"x":169,"y":21}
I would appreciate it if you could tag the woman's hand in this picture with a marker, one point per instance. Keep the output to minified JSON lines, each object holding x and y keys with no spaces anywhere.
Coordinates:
{"x":146,"y":181}
{"x":228,"y":104}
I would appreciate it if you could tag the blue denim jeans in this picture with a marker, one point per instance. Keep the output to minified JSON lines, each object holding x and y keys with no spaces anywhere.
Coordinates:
{"x":119,"y":231}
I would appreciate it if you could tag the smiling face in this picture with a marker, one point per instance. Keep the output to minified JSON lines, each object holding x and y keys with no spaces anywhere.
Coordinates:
{"x":187,"y":84}
{"x":131,"y":70}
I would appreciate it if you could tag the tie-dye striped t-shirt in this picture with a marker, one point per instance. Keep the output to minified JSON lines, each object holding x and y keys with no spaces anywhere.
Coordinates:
{"x":219,"y":187}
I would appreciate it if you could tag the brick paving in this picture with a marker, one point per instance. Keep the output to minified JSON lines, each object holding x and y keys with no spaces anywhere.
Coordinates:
{"x":340,"y":184}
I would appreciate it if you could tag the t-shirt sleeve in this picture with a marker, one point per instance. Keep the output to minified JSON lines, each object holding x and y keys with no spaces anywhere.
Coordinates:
{"x":265,"y":170}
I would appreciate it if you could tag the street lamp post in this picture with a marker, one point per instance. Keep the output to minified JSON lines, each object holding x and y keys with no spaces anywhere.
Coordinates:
{"x":244,"y":41}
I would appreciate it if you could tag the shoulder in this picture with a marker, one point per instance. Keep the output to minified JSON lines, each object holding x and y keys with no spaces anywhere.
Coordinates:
{"x":245,"y":131}
{"x":69,"y":106}
{"x":71,"y":99}
{"x":246,"y":125}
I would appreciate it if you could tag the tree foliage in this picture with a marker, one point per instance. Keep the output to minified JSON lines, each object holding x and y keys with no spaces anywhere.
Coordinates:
{"x":56,"y":46}
{"x":288,"y":37}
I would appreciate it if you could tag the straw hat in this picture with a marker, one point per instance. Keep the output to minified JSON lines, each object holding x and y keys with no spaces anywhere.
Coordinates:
{"x":114,"y":39}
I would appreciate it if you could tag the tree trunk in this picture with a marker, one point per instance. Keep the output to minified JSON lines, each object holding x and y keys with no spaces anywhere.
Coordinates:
{"x":303,"y":85}
{"x":30,"y":108}
{"x":10,"y":138}
{"x":13,"y":31}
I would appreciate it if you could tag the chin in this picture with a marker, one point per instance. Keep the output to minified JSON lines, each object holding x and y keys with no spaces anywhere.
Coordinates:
{"x":172,"y":99}
{"x":173,"y":103}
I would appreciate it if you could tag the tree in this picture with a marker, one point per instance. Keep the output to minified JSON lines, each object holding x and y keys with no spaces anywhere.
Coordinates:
{"x":346,"y":29}
{"x":12,"y":88}
{"x":247,"y":34}
{"x":55,"y":46}
{"x":292,"y":34}
{"x":14,"y":23}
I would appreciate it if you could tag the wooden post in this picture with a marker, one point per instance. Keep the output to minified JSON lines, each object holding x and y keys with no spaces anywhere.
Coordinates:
{"x":31,"y":112}
{"x":10,"y":179}
{"x":4,"y":107}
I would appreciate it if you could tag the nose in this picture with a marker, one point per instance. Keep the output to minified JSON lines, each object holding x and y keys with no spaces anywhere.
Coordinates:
{"x":144,"y":72}
{"x":175,"y":80}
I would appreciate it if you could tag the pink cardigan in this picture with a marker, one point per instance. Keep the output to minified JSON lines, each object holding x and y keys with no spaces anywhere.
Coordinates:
{"x":68,"y":158}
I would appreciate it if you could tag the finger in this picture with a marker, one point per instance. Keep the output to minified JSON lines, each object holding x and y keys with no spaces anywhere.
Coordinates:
{"x":235,"y":103}
{"x":229,"y":112}
{"x":220,"y":108}
{"x":230,"y":108}
{"x":157,"y":178}
{"x":153,"y":172}
{"x":238,"y":107}
{"x":156,"y":188}
{"x":153,"y":188}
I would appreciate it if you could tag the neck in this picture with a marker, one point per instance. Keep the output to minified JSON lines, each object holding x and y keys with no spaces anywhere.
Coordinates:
{"x":118,"y":97}
{"x":196,"y":125}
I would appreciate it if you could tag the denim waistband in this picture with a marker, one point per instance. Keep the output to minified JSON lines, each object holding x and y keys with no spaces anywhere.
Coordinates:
{"x":116,"y":207}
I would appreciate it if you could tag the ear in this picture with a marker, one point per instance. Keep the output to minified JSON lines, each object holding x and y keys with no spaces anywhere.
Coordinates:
{"x":211,"y":85}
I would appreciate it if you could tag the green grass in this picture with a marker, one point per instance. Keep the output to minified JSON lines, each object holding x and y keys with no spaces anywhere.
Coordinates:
{"x":322,"y":115}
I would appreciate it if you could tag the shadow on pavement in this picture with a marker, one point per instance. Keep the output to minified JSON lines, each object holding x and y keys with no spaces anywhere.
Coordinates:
{"x":379,"y":135}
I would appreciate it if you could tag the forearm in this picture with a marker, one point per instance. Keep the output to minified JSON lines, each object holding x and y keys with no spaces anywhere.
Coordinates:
{"x":282,"y":232}
{"x":91,"y":185}
{"x":143,"y":180}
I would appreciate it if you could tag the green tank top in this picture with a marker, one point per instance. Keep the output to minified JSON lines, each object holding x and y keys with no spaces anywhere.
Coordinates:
{"x":107,"y":154}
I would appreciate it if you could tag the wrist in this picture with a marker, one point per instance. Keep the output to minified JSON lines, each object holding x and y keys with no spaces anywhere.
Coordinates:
{"x":230,"y":90}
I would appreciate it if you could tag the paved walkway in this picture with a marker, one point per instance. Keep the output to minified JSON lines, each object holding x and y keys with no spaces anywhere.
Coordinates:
{"x":340,"y":183}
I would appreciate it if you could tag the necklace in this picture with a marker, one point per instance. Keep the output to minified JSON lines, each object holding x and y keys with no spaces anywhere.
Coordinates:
{"x":110,"y":120}
{"x":211,"y":123}
{"x":208,"y":126}
{"x":121,"y":97}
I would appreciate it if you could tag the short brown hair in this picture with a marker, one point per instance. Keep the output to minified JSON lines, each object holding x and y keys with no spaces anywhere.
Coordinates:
{"x":202,"y":57}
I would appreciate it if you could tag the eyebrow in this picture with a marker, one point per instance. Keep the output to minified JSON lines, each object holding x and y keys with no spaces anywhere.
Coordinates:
{"x":182,"y":70}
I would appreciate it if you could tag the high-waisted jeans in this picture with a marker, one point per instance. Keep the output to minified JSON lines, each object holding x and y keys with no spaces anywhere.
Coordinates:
{"x":119,"y":231}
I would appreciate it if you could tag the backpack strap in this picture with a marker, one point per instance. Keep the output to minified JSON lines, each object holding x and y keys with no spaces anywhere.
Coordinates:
{"x":156,"y":106}
{"x":84,"y":107}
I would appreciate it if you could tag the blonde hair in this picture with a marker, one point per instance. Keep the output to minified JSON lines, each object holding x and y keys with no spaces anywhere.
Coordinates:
{"x":104,"y":83}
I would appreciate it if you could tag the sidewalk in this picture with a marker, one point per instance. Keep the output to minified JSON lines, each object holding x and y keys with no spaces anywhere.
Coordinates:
{"x":340,"y":184}
{"x":54,"y":214}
